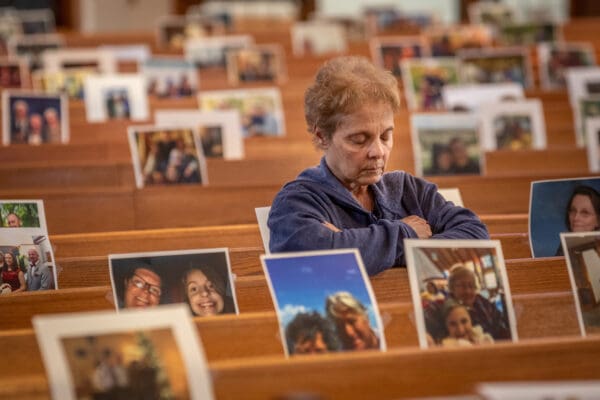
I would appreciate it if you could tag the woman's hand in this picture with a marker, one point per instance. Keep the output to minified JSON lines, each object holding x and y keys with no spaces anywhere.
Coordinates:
{"x":419,"y":225}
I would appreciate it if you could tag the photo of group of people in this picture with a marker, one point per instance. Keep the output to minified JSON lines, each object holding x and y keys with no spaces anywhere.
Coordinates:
{"x":152,"y":354}
{"x":261,"y":110}
{"x":574,"y":207}
{"x":446,"y":144}
{"x":199,"y":278}
{"x":170,"y":77}
{"x":460,"y":292}
{"x":496,"y":65}
{"x":165,"y":156}
{"x":33,"y":118}
{"x":26,"y":256}
{"x":324,"y":302}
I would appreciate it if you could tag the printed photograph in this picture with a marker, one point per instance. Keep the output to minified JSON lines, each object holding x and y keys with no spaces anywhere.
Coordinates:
{"x":170,"y":77}
{"x":471,"y":96}
{"x":389,"y":51}
{"x":324,"y":302}
{"x":555,"y":58}
{"x":199,"y":278}
{"x":62,"y":60}
{"x":150,"y":354}
{"x":261,"y":110}
{"x":14,"y":73}
{"x":22,"y":214}
{"x":445,"y":41}
{"x":529,"y":33}
{"x":166,"y":156}
{"x":354,"y":26}
{"x":513,"y":125}
{"x":592,"y":131}
{"x":446,"y":144}
{"x":26,"y":261}
{"x":384,"y":19}
{"x":31,"y":47}
{"x":582,"y":82}
{"x":561,"y":205}
{"x":34,"y":118}
{"x":174,"y":30}
{"x":587,"y":108}
{"x":318,"y":38}
{"x":556,"y":390}
{"x":119,"y":96}
{"x":256,"y":64}
{"x":491,"y":14}
{"x":582,"y":253}
{"x":211,"y":52}
{"x":494,"y":65}
{"x":220,"y":131}
{"x":69,"y":82}
{"x":424,"y":79}
{"x":10,"y":26}
{"x":460,"y":292}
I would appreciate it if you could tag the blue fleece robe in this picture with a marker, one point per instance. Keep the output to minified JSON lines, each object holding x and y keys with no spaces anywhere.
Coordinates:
{"x":297,"y":213}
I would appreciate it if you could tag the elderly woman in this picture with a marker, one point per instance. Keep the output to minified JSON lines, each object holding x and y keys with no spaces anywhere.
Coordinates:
{"x":351,"y":322}
{"x":347,"y":201}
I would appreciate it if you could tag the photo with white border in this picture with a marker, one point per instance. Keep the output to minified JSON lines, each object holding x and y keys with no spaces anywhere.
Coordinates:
{"x":469,"y":97}
{"x":102,"y":61}
{"x":323,"y":290}
{"x":161,"y":340}
{"x":447,"y":313}
{"x":124,"y":94}
{"x":592,"y":131}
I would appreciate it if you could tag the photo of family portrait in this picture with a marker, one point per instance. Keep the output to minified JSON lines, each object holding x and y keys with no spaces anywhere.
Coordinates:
{"x":261,"y":110}
{"x":166,"y":156}
{"x":34,"y":118}
{"x":324,"y":302}
{"x":152,"y":354}
{"x":582,"y":253}
{"x":446,"y":144}
{"x":460,"y":292}
{"x":561,"y":205}
{"x":199,"y":278}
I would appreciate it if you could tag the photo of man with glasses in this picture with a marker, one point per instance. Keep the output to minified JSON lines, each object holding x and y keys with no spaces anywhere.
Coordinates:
{"x":142,"y":289}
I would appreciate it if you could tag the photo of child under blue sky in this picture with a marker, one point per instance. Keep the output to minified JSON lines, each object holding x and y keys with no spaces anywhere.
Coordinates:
{"x":566,"y":205}
{"x":310,"y":284}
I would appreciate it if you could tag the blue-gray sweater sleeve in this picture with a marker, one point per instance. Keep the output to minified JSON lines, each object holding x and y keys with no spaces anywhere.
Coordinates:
{"x":296,"y":224}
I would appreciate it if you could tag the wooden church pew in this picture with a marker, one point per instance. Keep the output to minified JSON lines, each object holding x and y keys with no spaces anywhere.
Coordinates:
{"x":529,"y":277}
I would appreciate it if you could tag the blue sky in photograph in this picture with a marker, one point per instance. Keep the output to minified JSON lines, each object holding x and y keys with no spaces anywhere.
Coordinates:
{"x":302,"y":283}
{"x":548,"y":211}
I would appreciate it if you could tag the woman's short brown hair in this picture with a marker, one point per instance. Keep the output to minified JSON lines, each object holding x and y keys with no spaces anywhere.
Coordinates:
{"x":342,"y":85}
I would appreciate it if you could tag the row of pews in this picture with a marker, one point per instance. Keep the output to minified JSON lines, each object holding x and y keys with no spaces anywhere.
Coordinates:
{"x":93,"y":210}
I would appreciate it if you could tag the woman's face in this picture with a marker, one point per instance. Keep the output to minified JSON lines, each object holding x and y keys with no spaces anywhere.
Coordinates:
{"x":9,"y":259}
{"x":458,"y":323}
{"x":582,"y":216}
{"x":202,"y":294}
{"x":358,"y":150}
